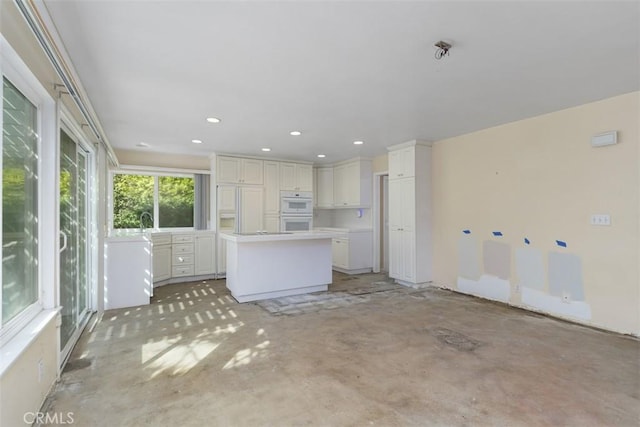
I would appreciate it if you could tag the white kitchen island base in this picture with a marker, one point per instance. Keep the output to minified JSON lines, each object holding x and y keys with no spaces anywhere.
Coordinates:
{"x":271,"y":266}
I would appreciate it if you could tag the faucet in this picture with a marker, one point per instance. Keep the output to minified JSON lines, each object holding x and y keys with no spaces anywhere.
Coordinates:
{"x":142,"y":215}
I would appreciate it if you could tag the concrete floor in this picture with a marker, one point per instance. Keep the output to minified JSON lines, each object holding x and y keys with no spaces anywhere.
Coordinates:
{"x":388,"y":356}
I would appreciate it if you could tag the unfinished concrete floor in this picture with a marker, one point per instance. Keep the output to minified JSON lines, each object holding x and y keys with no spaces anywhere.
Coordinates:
{"x":390,"y":356}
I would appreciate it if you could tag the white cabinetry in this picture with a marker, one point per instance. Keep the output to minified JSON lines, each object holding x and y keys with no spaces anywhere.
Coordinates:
{"x":179,"y":256}
{"x":271,"y":196}
{"x":128,"y":270}
{"x":324,"y":192}
{"x":402,"y":229}
{"x":236,"y":170}
{"x":340,"y":253}
{"x":221,"y":268}
{"x":204,"y":253}
{"x":410,"y":235}
{"x":352,"y":184}
{"x":296,"y":177}
{"x":351,"y":252}
{"x":182,"y":249}
{"x":402,"y":163}
{"x":161,"y":249}
{"x":227,"y":198}
{"x":251,"y":212}
{"x":271,"y":188}
{"x":272,"y":223}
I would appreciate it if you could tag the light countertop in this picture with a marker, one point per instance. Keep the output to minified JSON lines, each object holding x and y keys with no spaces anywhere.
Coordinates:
{"x":135,"y":234}
{"x":244,"y":238}
{"x":344,"y":230}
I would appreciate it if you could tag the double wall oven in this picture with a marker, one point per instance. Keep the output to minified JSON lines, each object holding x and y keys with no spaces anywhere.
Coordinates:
{"x":296,"y":211}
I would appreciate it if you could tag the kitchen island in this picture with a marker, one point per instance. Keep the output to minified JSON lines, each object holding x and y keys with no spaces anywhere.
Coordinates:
{"x":262,"y":266}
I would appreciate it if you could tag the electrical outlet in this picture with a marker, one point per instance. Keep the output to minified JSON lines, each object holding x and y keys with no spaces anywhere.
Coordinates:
{"x":600,"y":219}
{"x":566,"y":297}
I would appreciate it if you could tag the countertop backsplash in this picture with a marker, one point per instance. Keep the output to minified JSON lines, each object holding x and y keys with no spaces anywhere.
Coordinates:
{"x":343,"y":218}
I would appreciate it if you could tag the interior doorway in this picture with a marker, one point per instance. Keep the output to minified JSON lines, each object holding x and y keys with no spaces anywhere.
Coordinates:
{"x":381,"y":222}
{"x":384,"y":223}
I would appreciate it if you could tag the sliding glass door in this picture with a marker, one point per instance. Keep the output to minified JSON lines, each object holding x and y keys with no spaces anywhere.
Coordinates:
{"x":75,"y":265}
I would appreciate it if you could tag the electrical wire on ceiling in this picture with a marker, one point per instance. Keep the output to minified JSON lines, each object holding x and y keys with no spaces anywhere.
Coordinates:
{"x":443,"y":49}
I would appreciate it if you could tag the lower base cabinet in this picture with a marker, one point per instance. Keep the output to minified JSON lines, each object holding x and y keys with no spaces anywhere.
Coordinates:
{"x":204,"y":256}
{"x":161,"y":263}
{"x":340,"y":253}
{"x":352,"y":253}
{"x":183,"y":255}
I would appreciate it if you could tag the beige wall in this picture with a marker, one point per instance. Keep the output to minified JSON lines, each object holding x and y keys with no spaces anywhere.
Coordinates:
{"x":380,"y":163}
{"x":164,"y":160}
{"x":540,"y":178}
{"x":20,"y":390}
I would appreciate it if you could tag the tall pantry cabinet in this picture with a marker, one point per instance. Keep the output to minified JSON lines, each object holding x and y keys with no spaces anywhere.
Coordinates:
{"x":410,"y":234}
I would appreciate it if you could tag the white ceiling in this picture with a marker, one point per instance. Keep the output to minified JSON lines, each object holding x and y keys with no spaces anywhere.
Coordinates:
{"x":338,"y":71}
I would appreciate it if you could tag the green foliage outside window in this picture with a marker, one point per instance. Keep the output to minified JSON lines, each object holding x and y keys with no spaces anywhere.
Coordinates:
{"x":134,"y":194}
{"x":176,"y":201}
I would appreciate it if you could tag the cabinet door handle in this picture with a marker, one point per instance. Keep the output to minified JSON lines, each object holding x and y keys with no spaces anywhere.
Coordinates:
{"x":400,"y":174}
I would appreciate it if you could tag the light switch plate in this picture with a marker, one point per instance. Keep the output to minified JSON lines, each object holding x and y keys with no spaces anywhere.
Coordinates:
{"x":600,"y":219}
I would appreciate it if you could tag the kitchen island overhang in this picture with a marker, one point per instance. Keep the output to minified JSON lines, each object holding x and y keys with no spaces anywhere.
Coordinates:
{"x":264,"y":266}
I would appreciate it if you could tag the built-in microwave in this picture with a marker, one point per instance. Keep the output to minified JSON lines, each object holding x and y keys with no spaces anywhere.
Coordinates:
{"x":296,"y":203}
{"x":296,"y":223}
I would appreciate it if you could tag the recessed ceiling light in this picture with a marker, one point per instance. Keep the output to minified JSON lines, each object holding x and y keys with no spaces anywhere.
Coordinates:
{"x":295,"y":133}
{"x":358,"y":142}
{"x":213,"y":120}
{"x":266,"y":149}
{"x":142,"y":144}
{"x":322,"y":156}
{"x":196,"y":141}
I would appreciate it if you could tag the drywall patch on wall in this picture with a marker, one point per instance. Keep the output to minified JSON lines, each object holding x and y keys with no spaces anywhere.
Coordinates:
{"x":468,"y":256}
{"x":530,"y":268}
{"x":565,"y":276}
{"x":489,"y":287}
{"x":497,"y":259}
{"x":556,"y":305}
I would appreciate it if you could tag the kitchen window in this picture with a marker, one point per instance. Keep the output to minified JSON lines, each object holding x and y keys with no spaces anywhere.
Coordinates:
{"x":158,"y":201}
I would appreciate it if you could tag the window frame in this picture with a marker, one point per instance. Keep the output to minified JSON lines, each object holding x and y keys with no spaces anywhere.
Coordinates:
{"x":155,"y":173}
{"x":17,"y":72}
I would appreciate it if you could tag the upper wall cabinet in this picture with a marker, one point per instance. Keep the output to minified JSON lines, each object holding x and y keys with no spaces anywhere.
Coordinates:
{"x":235,"y":170}
{"x":324,"y":191}
{"x":271,"y":188}
{"x":352,"y":184}
{"x":402,"y":163}
{"x":296,"y":177}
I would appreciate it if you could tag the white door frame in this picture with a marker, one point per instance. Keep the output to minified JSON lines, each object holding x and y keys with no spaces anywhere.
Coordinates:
{"x":376,"y":219}
{"x":67,"y":123}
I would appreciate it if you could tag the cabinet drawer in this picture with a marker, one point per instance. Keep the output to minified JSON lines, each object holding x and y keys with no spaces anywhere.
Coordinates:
{"x":182,"y":259}
{"x":161,"y":240}
{"x":183,"y":249}
{"x":182,"y":238}
{"x":182,"y":270}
